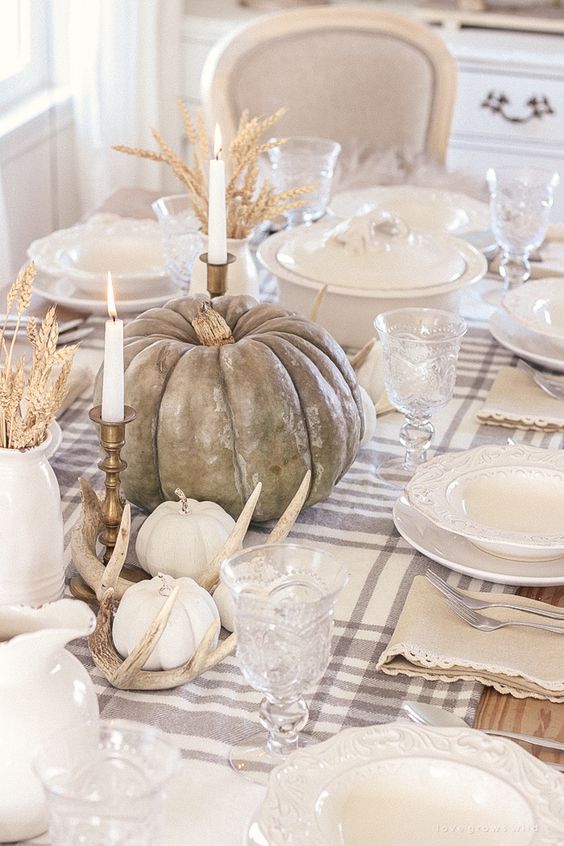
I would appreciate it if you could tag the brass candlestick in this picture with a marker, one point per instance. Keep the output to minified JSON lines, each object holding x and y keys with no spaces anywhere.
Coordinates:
{"x":217,"y":275}
{"x":112,"y":439}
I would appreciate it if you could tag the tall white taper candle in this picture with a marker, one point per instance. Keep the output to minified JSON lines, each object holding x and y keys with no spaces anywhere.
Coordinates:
{"x":113,"y":379}
{"x":217,"y":232}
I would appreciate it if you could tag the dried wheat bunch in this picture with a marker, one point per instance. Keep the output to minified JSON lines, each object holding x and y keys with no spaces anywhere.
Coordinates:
{"x":30,"y":397}
{"x":248,"y":204}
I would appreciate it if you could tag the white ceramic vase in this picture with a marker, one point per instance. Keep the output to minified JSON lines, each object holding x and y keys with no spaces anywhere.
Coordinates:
{"x":242,"y":274}
{"x":31,"y":527}
{"x":43,"y":690}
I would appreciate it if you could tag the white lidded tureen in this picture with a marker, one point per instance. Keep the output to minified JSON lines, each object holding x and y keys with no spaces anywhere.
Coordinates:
{"x":369,"y":263}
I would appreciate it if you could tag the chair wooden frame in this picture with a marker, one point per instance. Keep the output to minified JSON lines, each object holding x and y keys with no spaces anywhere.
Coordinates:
{"x":224,"y":56}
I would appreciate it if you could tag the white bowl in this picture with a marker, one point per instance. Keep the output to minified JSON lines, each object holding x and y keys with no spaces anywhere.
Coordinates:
{"x":403,"y":785}
{"x":538,"y":306}
{"x":130,"y":248}
{"x":422,"y":208}
{"x":508,"y":500}
{"x":365,"y":276}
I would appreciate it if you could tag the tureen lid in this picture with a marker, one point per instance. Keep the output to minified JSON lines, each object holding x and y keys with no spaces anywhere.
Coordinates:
{"x":374,"y":251}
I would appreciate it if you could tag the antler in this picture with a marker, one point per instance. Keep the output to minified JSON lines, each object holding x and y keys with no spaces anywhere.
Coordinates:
{"x":83,"y":546}
{"x":127,"y":674}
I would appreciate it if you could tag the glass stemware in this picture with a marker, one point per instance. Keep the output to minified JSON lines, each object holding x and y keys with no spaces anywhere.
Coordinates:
{"x":105,"y":783}
{"x":180,"y":234}
{"x":284,"y":595}
{"x":420,"y":349}
{"x":520,"y":203}
{"x":305,"y":161}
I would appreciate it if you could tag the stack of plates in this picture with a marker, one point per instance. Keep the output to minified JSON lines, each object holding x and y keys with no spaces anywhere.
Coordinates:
{"x":403,"y":785}
{"x":494,"y":512}
{"x":73,"y":265}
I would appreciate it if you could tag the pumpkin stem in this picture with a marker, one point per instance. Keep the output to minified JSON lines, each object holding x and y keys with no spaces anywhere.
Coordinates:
{"x":211,"y":328}
{"x":184,"y":507}
{"x":166,"y":587}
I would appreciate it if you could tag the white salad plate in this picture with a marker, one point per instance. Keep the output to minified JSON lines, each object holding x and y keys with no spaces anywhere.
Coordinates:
{"x":427,"y":209}
{"x":538,"y":306}
{"x":130,"y":248}
{"x":462,"y":556}
{"x":403,"y":785}
{"x":527,"y":344}
{"x":64,"y":292}
{"x":508,"y":500}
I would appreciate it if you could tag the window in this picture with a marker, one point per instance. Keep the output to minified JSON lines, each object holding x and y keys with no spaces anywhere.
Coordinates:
{"x":24,"y":55}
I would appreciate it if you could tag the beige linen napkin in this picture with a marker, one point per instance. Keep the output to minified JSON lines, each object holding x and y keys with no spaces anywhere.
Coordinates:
{"x":81,"y":378}
{"x":515,"y":401}
{"x":431,"y":642}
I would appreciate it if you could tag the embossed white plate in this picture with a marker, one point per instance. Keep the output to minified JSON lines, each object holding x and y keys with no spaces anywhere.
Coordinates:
{"x":461,"y":555}
{"x":404,"y":785}
{"x":65,"y":292}
{"x":130,"y":248}
{"x":508,"y":500}
{"x":427,"y":209}
{"x":525,"y":343}
{"x":538,"y":305}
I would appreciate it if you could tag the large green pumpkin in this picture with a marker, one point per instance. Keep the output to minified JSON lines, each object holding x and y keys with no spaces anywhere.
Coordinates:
{"x":262,"y":395}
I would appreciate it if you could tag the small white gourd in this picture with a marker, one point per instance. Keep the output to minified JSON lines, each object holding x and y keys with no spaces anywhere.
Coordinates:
{"x":181,"y":538}
{"x":370,"y":374}
{"x":192,"y":614}
{"x":369,"y":411}
{"x":226,"y":607}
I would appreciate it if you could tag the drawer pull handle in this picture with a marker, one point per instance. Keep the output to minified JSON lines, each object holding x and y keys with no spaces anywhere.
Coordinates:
{"x":537,"y":106}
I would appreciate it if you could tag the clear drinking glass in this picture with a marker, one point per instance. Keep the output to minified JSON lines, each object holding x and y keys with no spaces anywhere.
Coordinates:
{"x":520,"y":203}
{"x":180,"y":233}
{"x":420,"y":349}
{"x":305,"y":161}
{"x":284,"y":595}
{"x":105,"y":784}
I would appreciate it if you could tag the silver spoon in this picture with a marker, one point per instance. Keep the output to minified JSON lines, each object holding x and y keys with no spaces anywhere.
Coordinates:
{"x":430,"y":715}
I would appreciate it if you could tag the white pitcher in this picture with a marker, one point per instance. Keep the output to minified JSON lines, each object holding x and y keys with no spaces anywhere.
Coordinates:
{"x":31,"y":527}
{"x":43,"y":689}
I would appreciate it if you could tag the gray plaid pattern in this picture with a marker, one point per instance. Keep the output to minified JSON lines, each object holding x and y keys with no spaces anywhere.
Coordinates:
{"x":355,"y":522}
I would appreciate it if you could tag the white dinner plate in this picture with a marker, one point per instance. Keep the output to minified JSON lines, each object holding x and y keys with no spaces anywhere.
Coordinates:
{"x":403,"y":785}
{"x":64,"y":292}
{"x":427,"y":209}
{"x":459,"y":554}
{"x":56,"y":439}
{"x":523,"y":342}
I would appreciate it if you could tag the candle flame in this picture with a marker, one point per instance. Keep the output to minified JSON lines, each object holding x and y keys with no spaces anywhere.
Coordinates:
{"x":112,"y":311}
{"x":217,"y":142}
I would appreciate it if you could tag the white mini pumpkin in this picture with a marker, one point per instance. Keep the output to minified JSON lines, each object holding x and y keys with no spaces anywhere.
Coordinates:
{"x":370,"y":374}
{"x":369,"y":411}
{"x":181,"y":538}
{"x":225,"y":606}
{"x":192,"y":614}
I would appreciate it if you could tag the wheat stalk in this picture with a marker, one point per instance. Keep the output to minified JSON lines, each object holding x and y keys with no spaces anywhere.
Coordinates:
{"x":248,"y":204}
{"x":30,"y":399}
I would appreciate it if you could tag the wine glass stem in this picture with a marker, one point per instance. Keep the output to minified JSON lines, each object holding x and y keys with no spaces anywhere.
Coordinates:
{"x":283,"y":721}
{"x":514,"y":269}
{"x":415,"y":436}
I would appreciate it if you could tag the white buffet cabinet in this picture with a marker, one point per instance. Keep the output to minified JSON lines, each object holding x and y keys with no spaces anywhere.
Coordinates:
{"x":509,"y":58}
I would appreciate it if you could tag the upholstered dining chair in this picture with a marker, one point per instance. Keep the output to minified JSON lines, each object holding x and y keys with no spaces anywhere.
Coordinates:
{"x":370,"y":79}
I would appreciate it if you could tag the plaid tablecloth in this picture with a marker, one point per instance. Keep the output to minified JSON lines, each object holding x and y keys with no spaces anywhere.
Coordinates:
{"x":207,"y":715}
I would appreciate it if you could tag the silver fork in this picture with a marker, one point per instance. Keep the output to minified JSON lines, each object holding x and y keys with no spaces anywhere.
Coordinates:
{"x":489,"y":624}
{"x":472,"y":602}
{"x":551,"y":385}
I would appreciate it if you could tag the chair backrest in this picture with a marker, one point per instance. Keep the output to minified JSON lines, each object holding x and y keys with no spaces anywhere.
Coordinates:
{"x":370,"y":79}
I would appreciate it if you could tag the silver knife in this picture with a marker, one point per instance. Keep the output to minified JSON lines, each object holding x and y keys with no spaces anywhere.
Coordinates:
{"x":430,"y":715}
